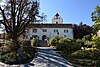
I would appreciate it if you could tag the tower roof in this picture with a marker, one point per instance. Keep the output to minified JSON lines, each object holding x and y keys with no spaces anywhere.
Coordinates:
{"x":57,"y":14}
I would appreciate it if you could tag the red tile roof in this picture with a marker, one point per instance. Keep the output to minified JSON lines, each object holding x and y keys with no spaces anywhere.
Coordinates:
{"x":50,"y":26}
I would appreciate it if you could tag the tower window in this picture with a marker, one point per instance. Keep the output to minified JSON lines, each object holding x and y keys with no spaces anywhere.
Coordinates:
{"x":57,"y":17}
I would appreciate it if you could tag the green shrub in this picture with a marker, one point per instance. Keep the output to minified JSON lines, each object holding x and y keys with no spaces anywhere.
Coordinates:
{"x":90,"y":44}
{"x":96,"y":40}
{"x":29,"y":52}
{"x":63,"y":44}
{"x":87,"y":54}
{"x":54,"y":41}
{"x":34,"y":42}
{"x":86,"y":38}
{"x":76,"y":46}
{"x":24,"y":54}
{"x":14,"y":57}
{"x":1,"y":44}
{"x":68,"y":45}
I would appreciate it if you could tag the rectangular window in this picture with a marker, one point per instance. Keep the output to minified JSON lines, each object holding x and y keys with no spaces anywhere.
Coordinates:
{"x":55,"y":30}
{"x":44,"y":30}
{"x":65,"y":31}
{"x":34,"y":30}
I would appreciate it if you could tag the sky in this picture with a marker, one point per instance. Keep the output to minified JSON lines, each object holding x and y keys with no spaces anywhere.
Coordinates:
{"x":72,"y":11}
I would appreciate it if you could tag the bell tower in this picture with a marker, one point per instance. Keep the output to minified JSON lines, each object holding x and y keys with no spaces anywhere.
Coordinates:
{"x":57,"y":19}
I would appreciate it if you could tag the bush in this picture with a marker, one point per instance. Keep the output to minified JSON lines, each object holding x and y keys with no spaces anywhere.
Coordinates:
{"x":1,"y":44}
{"x":68,"y":45}
{"x":24,"y":54}
{"x":96,"y":40}
{"x":87,"y":38}
{"x":54,"y":41}
{"x":63,"y":44}
{"x":34,"y":42}
{"x":87,"y":54}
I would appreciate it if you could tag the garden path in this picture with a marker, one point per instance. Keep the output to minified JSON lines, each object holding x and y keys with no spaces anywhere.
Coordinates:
{"x":46,"y":57}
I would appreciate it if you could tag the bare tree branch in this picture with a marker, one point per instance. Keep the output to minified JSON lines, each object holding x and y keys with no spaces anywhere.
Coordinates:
{"x":18,"y":14}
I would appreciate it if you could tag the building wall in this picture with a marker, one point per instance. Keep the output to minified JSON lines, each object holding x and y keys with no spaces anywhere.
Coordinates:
{"x":50,"y":32}
{"x":55,"y":20}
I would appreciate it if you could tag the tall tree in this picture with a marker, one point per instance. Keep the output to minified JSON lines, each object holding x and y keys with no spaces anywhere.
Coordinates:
{"x":96,"y":18}
{"x":81,"y":30}
{"x":17,"y":14}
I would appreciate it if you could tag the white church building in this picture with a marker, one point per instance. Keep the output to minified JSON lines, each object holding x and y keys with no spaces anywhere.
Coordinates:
{"x":49,"y":30}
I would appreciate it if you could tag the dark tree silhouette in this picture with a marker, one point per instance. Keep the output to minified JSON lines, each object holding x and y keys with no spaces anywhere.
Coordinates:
{"x":16,"y":15}
{"x":81,"y":30}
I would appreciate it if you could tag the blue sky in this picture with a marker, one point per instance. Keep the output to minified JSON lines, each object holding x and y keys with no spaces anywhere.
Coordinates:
{"x":72,"y":11}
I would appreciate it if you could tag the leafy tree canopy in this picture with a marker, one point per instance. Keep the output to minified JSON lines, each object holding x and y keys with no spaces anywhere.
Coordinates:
{"x":96,"y":18}
{"x":81,"y":30}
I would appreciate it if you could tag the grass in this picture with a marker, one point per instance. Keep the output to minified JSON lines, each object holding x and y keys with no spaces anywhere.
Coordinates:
{"x":79,"y":62}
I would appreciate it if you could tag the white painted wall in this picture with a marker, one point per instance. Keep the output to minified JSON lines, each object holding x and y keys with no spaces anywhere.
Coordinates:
{"x":57,"y":19}
{"x":50,"y":32}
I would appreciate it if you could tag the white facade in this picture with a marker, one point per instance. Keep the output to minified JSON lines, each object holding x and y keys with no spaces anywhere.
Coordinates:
{"x":50,"y":33}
